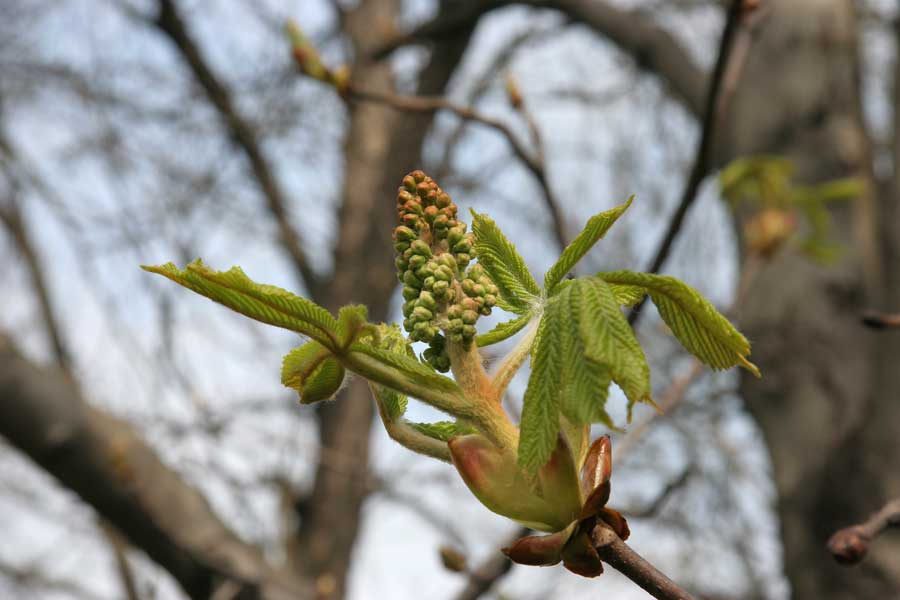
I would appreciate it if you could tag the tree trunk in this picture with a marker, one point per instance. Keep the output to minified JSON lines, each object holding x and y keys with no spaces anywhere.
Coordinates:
{"x":828,"y":400}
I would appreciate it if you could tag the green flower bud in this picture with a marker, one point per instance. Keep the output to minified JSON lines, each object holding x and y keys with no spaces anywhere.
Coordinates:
{"x":463,"y":245}
{"x":440,"y":289}
{"x":408,"y":324}
{"x":490,"y":300}
{"x":478,"y":290}
{"x":421,"y":248}
{"x":455,"y":235}
{"x":469,"y":304}
{"x":443,"y":273}
{"x":410,"y":280}
{"x":428,"y":284}
{"x":410,"y":293}
{"x":430,"y":213}
{"x":485,"y":310}
{"x":462,"y":260}
{"x":408,"y":308}
{"x":410,"y":219}
{"x":409,"y":184}
{"x":401,"y":263}
{"x":454,"y":312}
{"x":404,"y":234}
{"x":443,"y":200}
{"x":446,"y":260}
{"x":456,"y":338}
{"x":468,"y":286}
{"x":455,"y":325}
{"x":468,"y":331}
{"x":400,"y":247}
{"x":427,"y":300}
{"x":417,"y":261}
{"x":421,"y":313}
{"x":441,"y":222}
{"x":469,"y":317}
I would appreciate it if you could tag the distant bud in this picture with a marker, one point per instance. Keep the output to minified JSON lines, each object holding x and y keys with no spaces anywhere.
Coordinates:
{"x":513,"y":93}
{"x":453,"y":560}
{"x":849,"y":546}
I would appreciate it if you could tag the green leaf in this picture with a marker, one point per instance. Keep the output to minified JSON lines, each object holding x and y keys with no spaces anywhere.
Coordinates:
{"x":503,"y":331}
{"x":540,"y":412}
{"x":502,"y":262}
{"x":265,"y":303}
{"x":324,"y":382}
{"x":410,"y":367}
{"x":393,"y":402}
{"x":694,"y":321}
{"x":596,"y":228}
{"x":298,"y":364}
{"x":585,"y":381}
{"x":313,"y":371}
{"x":443,"y":430}
{"x":627,"y":295}
{"x":352,"y":319}
{"x":610,"y":341}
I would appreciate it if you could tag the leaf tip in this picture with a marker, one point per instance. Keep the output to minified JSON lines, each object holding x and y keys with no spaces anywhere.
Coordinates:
{"x":742,"y":361}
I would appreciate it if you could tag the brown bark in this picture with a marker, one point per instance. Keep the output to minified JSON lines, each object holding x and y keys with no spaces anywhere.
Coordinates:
{"x":827,"y":403}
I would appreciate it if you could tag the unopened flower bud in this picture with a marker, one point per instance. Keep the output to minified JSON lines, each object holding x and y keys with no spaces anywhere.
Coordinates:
{"x":404,"y":234}
{"x":421,"y":248}
{"x":427,"y":300}
{"x":410,"y":293}
{"x":469,"y":317}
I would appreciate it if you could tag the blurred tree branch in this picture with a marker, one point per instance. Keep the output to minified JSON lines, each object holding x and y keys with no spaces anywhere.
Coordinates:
{"x":652,"y":47}
{"x":103,"y":460}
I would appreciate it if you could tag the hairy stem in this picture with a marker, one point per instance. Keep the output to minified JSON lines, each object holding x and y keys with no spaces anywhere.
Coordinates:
{"x":513,"y":361}
{"x":401,"y":432}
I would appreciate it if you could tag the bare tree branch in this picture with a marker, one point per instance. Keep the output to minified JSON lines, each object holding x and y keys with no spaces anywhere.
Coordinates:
{"x":715,"y":107}
{"x":103,"y":460}
{"x":617,"y":553}
{"x":169,"y":21}
{"x":851,"y":544}
{"x":429,"y":104}
{"x":651,"y":46}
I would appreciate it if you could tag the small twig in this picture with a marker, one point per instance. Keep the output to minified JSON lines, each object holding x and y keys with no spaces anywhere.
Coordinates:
{"x":531,"y":161}
{"x":715,"y":107}
{"x":483,"y":578}
{"x":851,"y":544}
{"x":623,"y":558}
{"x":876,"y":320}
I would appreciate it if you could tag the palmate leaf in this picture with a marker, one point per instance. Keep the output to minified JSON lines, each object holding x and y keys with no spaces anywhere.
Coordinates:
{"x":503,"y":331}
{"x":627,"y":295}
{"x":265,"y":303}
{"x":584,"y":343}
{"x":610,"y":341}
{"x":540,"y":411}
{"x":585,"y":382}
{"x":596,"y":228}
{"x":498,"y":256}
{"x":312,"y":370}
{"x":694,"y":321}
